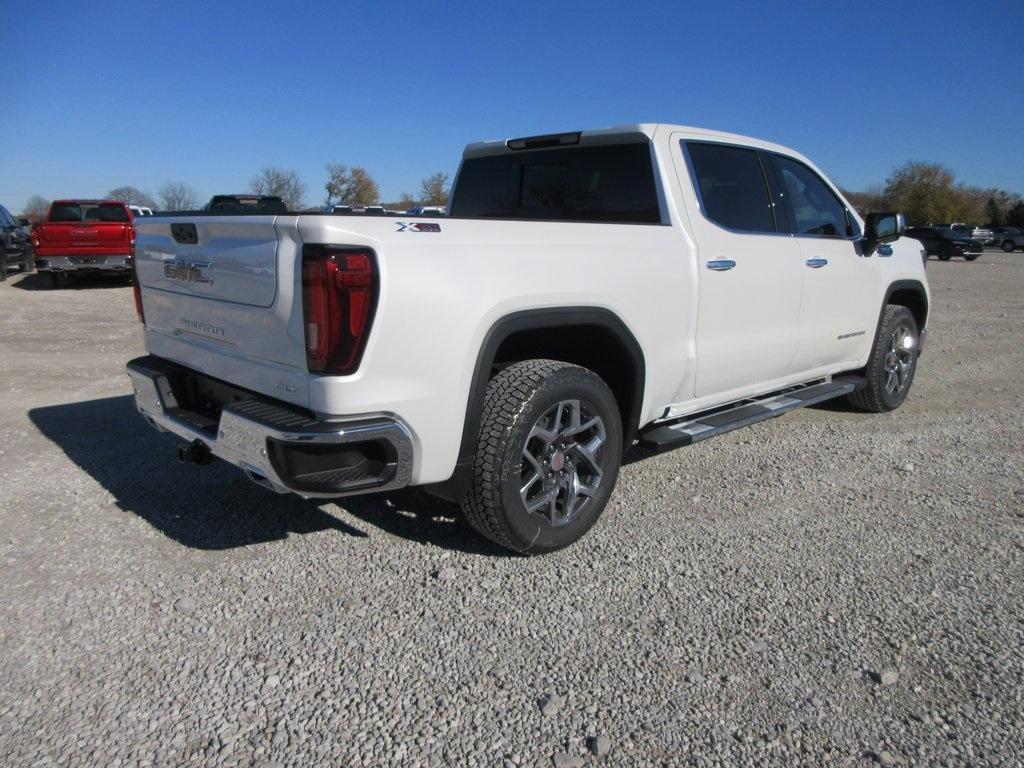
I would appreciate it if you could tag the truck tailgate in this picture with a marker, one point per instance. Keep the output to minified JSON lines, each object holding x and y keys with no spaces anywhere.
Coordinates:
{"x":212,"y":298}
{"x":84,"y":238}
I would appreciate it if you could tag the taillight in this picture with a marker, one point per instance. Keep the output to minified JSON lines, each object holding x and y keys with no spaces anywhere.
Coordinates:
{"x":136,"y":289}
{"x":339,"y":294}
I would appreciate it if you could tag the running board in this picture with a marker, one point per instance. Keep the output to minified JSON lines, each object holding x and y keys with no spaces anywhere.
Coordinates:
{"x":698,"y":427}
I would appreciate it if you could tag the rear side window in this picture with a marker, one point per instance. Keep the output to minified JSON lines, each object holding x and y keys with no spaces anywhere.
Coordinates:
{"x":732,"y":186}
{"x":112,"y":213}
{"x":66,"y":212}
{"x":612,"y":184}
{"x":816,"y":209}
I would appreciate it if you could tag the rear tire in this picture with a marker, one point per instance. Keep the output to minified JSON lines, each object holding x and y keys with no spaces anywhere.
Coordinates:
{"x":971,"y":256}
{"x":893,"y":362}
{"x":1008,"y":246}
{"x":547,"y":458}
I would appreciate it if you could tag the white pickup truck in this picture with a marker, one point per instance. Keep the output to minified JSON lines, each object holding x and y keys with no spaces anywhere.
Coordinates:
{"x":586,"y":291}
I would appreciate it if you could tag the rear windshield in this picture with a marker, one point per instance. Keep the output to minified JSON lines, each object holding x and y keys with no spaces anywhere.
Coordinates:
{"x":228,"y":204}
{"x":88,"y":211}
{"x":613,"y":183}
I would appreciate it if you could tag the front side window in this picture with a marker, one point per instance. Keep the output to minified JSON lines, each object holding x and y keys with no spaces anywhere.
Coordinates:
{"x":732,"y":186}
{"x":816,"y":209}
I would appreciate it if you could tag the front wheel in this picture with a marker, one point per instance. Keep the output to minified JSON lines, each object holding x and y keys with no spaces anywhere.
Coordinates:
{"x":547,"y":457}
{"x":893,"y":362}
{"x":971,"y":256}
{"x":1008,"y":246}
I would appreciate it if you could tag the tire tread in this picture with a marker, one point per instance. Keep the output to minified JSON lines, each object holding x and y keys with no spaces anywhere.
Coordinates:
{"x":507,"y":395}
{"x":869,"y":398}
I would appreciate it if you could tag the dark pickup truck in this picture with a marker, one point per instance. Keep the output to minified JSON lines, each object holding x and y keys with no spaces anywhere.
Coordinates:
{"x":946,"y":243}
{"x":15,"y":247}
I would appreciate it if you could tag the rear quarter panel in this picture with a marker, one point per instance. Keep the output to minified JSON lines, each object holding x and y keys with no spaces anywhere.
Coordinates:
{"x":441,"y":292}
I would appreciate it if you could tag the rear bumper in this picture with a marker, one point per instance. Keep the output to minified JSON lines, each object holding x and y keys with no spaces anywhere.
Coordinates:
{"x":276,"y":445}
{"x":110,"y":263}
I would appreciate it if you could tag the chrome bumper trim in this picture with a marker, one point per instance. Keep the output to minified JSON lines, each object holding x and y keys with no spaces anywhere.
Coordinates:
{"x":242,"y":440}
{"x":105,"y":263}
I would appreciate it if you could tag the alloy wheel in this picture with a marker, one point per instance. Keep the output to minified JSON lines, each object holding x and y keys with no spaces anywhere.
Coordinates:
{"x":899,"y":359}
{"x":561,"y":468}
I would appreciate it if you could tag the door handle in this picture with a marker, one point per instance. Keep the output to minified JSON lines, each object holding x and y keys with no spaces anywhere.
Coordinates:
{"x":816,"y":263}
{"x":721,"y":265}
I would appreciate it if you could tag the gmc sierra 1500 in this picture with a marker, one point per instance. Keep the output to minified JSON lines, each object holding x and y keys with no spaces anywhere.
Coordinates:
{"x":84,"y":236}
{"x":587,"y":290}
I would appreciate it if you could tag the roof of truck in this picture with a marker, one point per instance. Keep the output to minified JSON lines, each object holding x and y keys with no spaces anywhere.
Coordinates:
{"x":610,"y":135}
{"x":90,"y":200}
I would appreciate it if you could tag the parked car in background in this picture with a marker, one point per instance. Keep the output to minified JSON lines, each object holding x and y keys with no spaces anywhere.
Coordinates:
{"x":235,"y":204}
{"x":427,"y":210}
{"x":15,"y":244}
{"x":1006,"y":237}
{"x":140,"y":210}
{"x":359,"y":210}
{"x":946,"y":243}
{"x":1011,"y":239}
{"x":84,"y":236}
{"x":982,"y":235}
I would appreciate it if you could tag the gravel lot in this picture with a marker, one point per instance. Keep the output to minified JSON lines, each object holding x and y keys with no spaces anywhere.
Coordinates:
{"x":828,"y":588}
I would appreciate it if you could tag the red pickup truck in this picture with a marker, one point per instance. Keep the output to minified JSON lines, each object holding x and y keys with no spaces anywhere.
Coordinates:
{"x":84,"y":236}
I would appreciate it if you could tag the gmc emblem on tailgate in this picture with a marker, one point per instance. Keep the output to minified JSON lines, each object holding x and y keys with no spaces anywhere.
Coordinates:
{"x":187,"y":271}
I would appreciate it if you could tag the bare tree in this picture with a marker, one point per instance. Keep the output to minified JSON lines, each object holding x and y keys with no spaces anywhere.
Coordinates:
{"x":131,"y":196}
{"x":350,"y":185}
{"x":434,"y":189}
{"x":36,"y":208}
{"x":178,"y":196}
{"x":280,"y":182}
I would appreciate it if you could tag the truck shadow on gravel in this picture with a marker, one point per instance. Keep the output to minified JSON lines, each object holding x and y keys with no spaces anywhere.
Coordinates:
{"x":215,"y":507}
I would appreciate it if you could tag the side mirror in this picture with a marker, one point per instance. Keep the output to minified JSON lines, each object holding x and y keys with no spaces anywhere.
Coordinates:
{"x":882,"y":228}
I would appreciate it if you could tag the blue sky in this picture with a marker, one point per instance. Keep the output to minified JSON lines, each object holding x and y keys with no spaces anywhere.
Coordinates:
{"x":101,"y":94}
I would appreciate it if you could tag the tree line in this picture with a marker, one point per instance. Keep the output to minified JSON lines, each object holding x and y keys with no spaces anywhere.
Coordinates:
{"x":171,"y":196}
{"x":929,"y":193}
{"x":351,"y":185}
{"x":347,"y":185}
